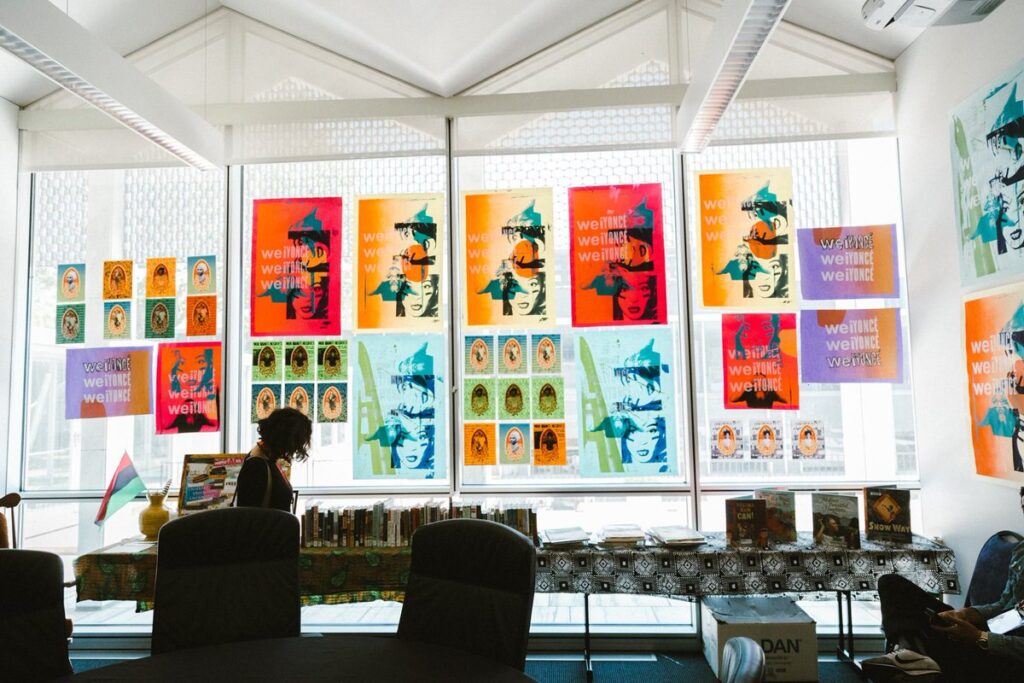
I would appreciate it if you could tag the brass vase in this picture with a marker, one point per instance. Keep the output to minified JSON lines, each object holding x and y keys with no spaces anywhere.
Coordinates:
{"x":154,"y":516}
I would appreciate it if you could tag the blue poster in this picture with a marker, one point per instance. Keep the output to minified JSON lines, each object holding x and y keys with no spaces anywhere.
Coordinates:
{"x":401,"y":406}
{"x":626,"y":402}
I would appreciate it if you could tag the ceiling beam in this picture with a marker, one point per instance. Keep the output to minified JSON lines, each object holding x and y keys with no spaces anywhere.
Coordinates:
{"x":473,"y":105}
{"x":741,"y":29}
{"x":51,"y":42}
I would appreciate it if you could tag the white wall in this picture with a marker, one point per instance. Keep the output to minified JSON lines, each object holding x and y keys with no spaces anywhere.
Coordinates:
{"x":8,"y":223}
{"x":941,"y":68}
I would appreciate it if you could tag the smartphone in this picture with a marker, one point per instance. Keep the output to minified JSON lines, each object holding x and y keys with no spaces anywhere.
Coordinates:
{"x":933,"y":616}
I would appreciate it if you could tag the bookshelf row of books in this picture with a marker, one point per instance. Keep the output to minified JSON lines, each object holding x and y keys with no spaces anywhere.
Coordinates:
{"x":387,"y":525}
{"x":769,"y":516}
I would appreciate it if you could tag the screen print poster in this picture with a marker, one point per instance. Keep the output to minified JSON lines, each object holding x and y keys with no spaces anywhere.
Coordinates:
{"x":848,"y":263}
{"x":746,"y":252}
{"x":986,"y":135}
{"x":107,"y":382}
{"x":618,"y":255}
{"x":400,"y":407}
{"x":626,"y":399}
{"x":188,"y":387}
{"x":507,"y":249}
{"x":759,"y":361}
{"x":862,"y":345}
{"x":994,"y":336}
{"x":296,"y":267}
{"x":399,"y":257}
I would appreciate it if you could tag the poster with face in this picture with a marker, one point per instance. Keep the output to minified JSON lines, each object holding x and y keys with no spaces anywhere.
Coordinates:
{"x":160,"y":319}
{"x":70,"y":283}
{"x":479,"y":444}
{"x":332,"y":360}
{"x":188,"y":387}
{"x":746,"y":252}
{"x":298,"y":360}
{"x":266,"y":398}
{"x":301,"y":397}
{"x":547,"y":353}
{"x":513,"y":354}
{"x":513,"y":398}
{"x":809,"y":440}
{"x":766,"y":440}
{"x":507,"y":249}
{"x":759,"y":361}
{"x":399,"y":258}
{"x":626,"y":402}
{"x":514,"y":443}
{"x":727,"y":440}
{"x":986,"y":139}
{"x":401,"y":399}
{"x":71,"y":324}
{"x":478,"y":399}
{"x":296,"y":267}
{"x":994,"y":338}
{"x":266,"y":361}
{"x":618,"y":255}
{"x":202,"y":316}
{"x":547,"y":398}
{"x":107,"y":382}
{"x":332,"y":402}
{"x":549,"y":444}
{"x":479,"y":355}
{"x":117,"y":317}
{"x":202,"y":274}
{"x":849,"y":263}
{"x":160,"y":277}
{"x":856,"y":345}
{"x":117,"y":280}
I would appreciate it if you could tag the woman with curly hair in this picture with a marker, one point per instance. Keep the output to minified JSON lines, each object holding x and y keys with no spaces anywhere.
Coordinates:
{"x":284,"y":435}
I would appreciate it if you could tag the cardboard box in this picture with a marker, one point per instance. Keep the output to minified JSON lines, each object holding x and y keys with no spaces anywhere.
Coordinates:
{"x":784,"y":631}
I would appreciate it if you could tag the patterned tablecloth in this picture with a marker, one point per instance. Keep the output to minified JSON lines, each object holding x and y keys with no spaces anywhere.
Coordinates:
{"x":127,"y":571}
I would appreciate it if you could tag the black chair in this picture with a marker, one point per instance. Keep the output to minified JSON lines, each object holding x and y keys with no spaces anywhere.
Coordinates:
{"x":471,"y":587}
{"x":992,"y":568}
{"x":224,"y":576}
{"x":33,"y":642}
{"x":742,"y":661}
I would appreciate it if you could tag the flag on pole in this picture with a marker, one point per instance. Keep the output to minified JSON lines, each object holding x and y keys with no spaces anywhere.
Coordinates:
{"x":124,"y":485}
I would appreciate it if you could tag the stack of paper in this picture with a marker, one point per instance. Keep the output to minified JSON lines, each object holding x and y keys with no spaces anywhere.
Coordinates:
{"x":573,"y":535}
{"x":622,"y":534}
{"x":675,"y":535}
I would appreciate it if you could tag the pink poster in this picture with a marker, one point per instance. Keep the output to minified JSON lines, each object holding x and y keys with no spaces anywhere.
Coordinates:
{"x":188,"y":387}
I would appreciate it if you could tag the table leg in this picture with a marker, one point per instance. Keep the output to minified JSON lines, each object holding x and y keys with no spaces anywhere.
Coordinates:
{"x":586,"y":638}
{"x":845,"y":651}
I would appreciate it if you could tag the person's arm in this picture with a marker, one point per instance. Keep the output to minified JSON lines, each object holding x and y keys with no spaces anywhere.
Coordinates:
{"x":252,"y":483}
{"x":1011,"y":647}
{"x":1008,"y":599}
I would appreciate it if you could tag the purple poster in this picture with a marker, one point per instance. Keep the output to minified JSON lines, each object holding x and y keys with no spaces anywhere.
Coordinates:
{"x":107,"y":382}
{"x":849,"y":263}
{"x":863,"y":345}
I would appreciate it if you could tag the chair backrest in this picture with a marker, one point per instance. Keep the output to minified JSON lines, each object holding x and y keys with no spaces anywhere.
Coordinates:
{"x":992,"y":568}
{"x":33,"y":640}
{"x":224,"y":576}
{"x":11,"y":502}
{"x":471,"y":587}
{"x":742,"y":661}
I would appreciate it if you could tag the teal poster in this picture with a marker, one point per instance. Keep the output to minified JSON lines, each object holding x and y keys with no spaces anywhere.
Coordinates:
{"x":626,"y":402}
{"x":400,"y":408}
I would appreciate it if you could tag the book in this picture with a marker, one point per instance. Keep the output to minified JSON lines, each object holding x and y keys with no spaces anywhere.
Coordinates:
{"x":836,"y":522}
{"x":887,"y":514}
{"x":572,"y":535}
{"x":780,"y":507}
{"x":745,"y":522}
{"x":624,"y":534}
{"x":675,"y":535}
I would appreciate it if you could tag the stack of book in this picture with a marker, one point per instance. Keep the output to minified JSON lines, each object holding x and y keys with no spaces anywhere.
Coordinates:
{"x":383,"y":525}
{"x":566,"y":537}
{"x":622,"y":534}
{"x":522,"y":518}
{"x":675,"y":536}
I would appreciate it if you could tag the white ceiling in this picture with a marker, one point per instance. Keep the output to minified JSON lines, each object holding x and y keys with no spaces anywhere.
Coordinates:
{"x":441,"y":46}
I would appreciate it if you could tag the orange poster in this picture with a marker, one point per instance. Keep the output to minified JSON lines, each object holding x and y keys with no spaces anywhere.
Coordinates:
{"x":202,"y":316}
{"x":549,"y":444}
{"x":117,"y":280}
{"x":160,"y":277}
{"x":746,"y":239}
{"x":400,"y":254}
{"x":296,"y":267}
{"x":507,"y":247}
{"x":479,"y":443}
{"x":994,"y":336}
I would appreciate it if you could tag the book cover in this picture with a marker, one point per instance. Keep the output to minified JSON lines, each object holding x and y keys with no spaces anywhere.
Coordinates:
{"x":745,"y":523}
{"x":836,"y":521}
{"x":887,"y":514}
{"x":780,"y":508}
